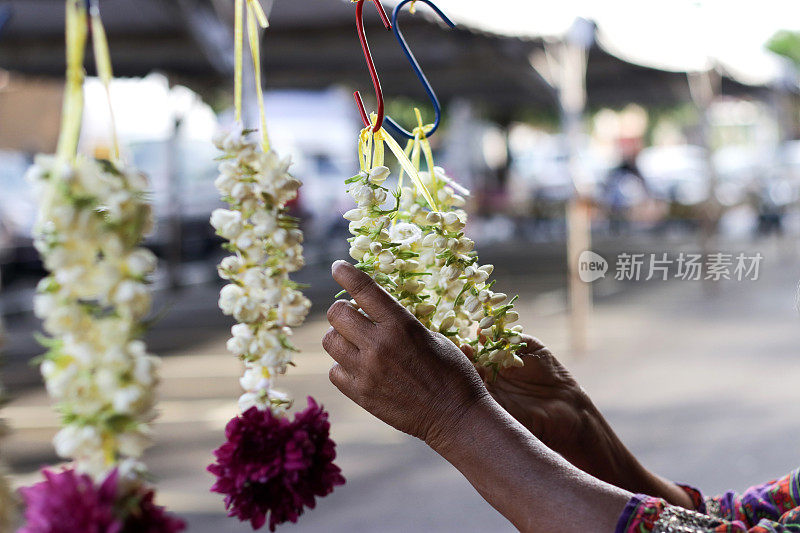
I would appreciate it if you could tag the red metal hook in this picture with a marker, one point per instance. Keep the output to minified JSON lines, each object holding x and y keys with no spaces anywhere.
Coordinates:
{"x":376,"y":82}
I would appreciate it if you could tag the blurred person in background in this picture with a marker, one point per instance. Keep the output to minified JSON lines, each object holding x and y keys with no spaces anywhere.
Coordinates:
{"x":531,"y":441}
{"x":771,"y":199}
{"x":624,"y":187}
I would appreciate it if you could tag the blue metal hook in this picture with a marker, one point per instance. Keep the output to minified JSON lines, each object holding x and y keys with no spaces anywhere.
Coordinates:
{"x":437,"y":108}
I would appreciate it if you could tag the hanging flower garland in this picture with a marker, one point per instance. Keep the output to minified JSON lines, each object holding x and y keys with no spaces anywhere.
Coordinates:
{"x":8,"y":500}
{"x":93,"y":216}
{"x":270,"y":467}
{"x":417,"y":249}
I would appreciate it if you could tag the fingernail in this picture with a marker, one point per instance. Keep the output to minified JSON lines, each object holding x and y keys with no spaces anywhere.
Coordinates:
{"x":338,"y":264}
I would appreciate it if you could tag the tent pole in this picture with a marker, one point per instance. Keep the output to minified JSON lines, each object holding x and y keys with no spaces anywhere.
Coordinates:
{"x":703,"y":87}
{"x":571,"y":83}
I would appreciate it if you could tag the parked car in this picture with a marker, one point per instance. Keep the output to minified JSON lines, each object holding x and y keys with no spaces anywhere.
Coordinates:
{"x":181,"y":175}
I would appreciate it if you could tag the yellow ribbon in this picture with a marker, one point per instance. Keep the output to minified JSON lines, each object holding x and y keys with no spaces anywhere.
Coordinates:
{"x":409,"y":168}
{"x":255,"y":18}
{"x":258,"y":11}
{"x":412,"y":151}
{"x":238,"y":37}
{"x":102,"y":58}
{"x":380,"y":137}
{"x":365,"y":149}
{"x":409,"y":147}
{"x":421,"y":142}
{"x":256,"y":14}
{"x":72,"y":110}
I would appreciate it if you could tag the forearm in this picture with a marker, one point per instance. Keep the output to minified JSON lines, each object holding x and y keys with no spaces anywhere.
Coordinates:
{"x":621,"y":468}
{"x":529,"y":484}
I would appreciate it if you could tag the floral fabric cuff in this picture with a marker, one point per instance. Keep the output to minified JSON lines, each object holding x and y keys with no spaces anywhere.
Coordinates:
{"x":645,"y":514}
{"x":698,"y":501}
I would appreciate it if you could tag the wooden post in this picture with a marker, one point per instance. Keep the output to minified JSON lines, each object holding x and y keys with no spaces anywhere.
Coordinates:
{"x":703,"y":87}
{"x":567,"y":61}
{"x":579,"y":238}
{"x":174,"y":251}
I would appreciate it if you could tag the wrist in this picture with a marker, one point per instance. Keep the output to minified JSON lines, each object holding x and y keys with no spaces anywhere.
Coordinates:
{"x":459,"y":425}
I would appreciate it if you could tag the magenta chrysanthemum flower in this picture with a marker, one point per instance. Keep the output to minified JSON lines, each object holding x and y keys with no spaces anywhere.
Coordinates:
{"x":147,"y":517}
{"x":271,"y":465}
{"x":68,"y":502}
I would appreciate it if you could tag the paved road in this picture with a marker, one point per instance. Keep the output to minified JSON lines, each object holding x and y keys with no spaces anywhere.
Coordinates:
{"x":699,"y":380}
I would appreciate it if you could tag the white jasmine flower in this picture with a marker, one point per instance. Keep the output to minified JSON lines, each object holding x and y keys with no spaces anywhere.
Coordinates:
{"x":141,"y":262}
{"x":378,"y":175}
{"x":227,"y":223}
{"x":126,"y":399}
{"x":230,"y":267}
{"x":229,"y":298}
{"x":405,"y":233}
{"x":134,"y":443}
{"x":132,"y":298}
{"x":72,"y":439}
{"x":354,"y":214}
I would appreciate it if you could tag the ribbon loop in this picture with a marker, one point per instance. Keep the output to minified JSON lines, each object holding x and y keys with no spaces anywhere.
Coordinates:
{"x":102,"y":58}
{"x":255,"y":18}
{"x":72,"y":112}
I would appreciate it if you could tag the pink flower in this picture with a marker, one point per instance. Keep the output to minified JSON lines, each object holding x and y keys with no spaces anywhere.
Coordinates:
{"x":67,"y":502}
{"x":271,"y":465}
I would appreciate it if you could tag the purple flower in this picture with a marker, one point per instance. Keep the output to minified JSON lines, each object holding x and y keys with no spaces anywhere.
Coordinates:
{"x":66,"y":502}
{"x":271,"y":465}
{"x":147,"y":517}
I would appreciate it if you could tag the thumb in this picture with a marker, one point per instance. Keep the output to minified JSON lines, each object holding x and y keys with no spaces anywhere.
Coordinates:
{"x":468,"y":350}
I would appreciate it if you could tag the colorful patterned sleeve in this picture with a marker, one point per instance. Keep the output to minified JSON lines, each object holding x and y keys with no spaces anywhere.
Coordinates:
{"x":773,"y":507}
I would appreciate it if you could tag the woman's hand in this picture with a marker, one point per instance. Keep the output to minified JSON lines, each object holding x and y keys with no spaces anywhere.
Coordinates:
{"x":391,"y":365}
{"x":544,"y":397}
{"x":420,"y":383}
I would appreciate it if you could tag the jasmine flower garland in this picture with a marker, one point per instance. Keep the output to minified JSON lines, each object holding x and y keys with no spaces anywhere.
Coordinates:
{"x":266,"y":246}
{"x":93,"y":215}
{"x":8,"y":500}
{"x":270,"y":468}
{"x":461,"y":285}
{"x":417,"y":250}
{"x":388,"y":253}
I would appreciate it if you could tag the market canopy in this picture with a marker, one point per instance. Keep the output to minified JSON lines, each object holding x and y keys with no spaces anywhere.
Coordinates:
{"x":672,"y":35}
{"x":312,"y":44}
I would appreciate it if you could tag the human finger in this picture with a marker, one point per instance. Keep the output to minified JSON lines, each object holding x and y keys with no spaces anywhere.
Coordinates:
{"x":378,"y":304}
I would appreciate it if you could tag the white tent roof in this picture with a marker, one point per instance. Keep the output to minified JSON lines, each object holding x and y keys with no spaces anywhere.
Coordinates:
{"x":673,"y":35}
